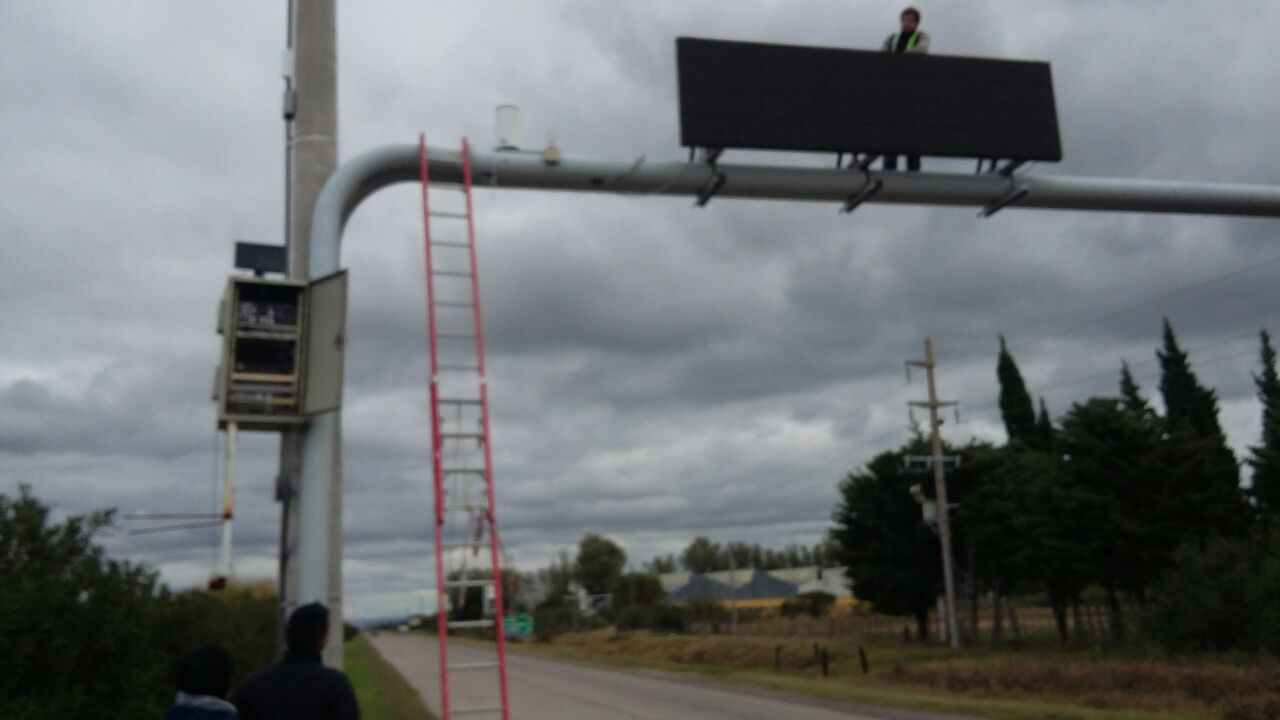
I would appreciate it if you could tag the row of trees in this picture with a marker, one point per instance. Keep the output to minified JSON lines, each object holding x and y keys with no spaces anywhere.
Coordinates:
{"x":702,"y":555}
{"x":598,"y":566}
{"x":1113,"y":496}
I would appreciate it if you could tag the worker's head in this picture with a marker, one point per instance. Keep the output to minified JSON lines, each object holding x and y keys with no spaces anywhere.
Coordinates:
{"x":308,"y":629}
{"x":205,"y":671}
{"x":910,"y":20}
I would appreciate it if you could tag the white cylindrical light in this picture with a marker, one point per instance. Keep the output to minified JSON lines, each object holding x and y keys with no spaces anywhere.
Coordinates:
{"x":508,"y":120}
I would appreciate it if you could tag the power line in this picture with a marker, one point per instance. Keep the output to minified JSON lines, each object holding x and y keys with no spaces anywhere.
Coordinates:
{"x":1150,"y":302}
{"x":1212,"y":359}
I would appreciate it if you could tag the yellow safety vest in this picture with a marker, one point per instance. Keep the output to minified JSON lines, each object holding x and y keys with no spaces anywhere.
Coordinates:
{"x":911,"y":41}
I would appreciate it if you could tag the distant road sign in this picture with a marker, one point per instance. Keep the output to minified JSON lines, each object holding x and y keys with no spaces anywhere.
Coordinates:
{"x":518,"y":626}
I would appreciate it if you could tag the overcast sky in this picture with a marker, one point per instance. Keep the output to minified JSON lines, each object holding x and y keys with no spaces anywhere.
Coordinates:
{"x":657,"y":371}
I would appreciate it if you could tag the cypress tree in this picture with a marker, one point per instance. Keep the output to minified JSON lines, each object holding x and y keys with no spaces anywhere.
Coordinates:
{"x":1264,"y":458}
{"x":1204,"y":496}
{"x":1044,"y":428}
{"x":1188,"y":405}
{"x":1015,"y":403}
{"x":1131,"y":394}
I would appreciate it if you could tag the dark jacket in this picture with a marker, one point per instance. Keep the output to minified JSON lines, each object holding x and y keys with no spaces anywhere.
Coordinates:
{"x":298,"y":687}
{"x":200,"y":707}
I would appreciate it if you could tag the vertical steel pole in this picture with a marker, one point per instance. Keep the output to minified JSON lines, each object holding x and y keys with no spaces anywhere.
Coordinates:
{"x":228,"y":500}
{"x":317,"y":502}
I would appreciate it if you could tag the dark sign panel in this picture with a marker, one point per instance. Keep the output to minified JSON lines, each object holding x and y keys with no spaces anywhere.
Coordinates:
{"x":261,"y":258}
{"x":787,"y":97}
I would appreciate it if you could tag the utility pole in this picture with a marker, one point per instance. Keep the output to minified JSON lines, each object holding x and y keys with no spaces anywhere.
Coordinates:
{"x":733,"y":592}
{"x":940,"y":486}
{"x":310,"y":115}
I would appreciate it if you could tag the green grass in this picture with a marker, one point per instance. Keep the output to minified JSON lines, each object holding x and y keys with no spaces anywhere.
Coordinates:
{"x":382,"y":692}
{"x":876,"y":690}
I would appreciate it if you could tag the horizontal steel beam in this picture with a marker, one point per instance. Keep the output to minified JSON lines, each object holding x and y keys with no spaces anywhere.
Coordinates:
{"x":361,"y":176}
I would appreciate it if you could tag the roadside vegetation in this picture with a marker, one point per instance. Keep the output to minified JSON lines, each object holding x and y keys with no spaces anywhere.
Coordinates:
{"x":1116,"y":560}
{"x":382,"y":692}
{"x":1037,"y":680}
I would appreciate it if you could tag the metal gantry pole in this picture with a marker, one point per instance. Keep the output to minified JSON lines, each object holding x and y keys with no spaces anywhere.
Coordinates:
{"x":311,"y":110}
{"x":358,"y":178}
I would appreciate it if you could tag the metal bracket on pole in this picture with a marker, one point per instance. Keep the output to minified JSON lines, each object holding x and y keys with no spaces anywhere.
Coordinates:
{"x":1008,"y":168}
{"x":1016,"y":192}
{"x":869,"y":188}
{"x":717,"y":180}
{"x":864,"y":162}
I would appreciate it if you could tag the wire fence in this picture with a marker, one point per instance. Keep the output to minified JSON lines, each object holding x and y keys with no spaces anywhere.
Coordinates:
{"x":1087,"y":621}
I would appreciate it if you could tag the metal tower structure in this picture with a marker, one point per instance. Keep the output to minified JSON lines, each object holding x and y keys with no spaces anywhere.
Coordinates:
{"x":461,"y":457}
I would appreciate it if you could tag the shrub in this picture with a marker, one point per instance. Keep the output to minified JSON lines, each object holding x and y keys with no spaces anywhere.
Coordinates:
{"x":659,"y":618}
{"x":1220,"y":597}
{"x":88,"y":637}
{"x":813,"y":604}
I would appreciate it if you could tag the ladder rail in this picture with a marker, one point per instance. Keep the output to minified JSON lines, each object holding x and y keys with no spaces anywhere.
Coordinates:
{"x":487,"y":522}
{"x":494,"y":539}
{"x":437,"y":464}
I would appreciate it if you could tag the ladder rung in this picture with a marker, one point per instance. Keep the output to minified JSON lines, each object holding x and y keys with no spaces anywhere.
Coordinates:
{"x":454,"y":304}
{"x":476,"y":710}
{"x":456,"y":335}
{"x":454,"y":215}
{"x":462,"y":435}
{"x":452,"y":273}
{"x":468,"y":583}
{"x":456,"y":368}
{"x":473,"y":666}
{"x":466,"y":624}
{"x":459,"y":401}
{"x":463,"y":471}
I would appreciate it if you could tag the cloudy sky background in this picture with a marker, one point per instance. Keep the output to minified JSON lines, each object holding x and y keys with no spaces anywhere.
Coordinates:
{"x":657,"y":371}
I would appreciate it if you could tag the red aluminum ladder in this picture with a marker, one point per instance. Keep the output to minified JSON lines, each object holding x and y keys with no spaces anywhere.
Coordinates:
{"x":461,"y":456}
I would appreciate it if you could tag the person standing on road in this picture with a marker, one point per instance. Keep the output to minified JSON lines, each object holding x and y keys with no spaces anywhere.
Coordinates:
{"x":299,"y":687}
{"x":910,"y":39}
{"x":204,"y":679}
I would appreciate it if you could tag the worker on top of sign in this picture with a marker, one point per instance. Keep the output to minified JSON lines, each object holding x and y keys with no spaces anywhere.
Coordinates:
{"x":910,"y":39}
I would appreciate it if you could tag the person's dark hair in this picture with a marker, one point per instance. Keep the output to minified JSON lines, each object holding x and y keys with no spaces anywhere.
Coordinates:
{"x":307,"y":625}
{"x":912,"y":12}
{"x":205,"y":671}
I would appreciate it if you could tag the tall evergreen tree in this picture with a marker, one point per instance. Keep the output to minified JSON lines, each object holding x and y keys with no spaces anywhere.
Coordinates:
{"x":891,"y":555}
{"x":1131,"y":394}
{"x":1203,"y":494}
{"x":1044,"y":428}
{"x":1120,"y":497}
{"x":1187,"y":403}
{"x":1015,"y":403}
{"x":1264,"y":458}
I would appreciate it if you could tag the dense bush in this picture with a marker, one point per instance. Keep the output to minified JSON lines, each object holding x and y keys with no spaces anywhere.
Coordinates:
{"x":551,"y":619}
{"x":84,"y":636}
{"x":1219,"y":597}
{"x":641,"y":589}
{"x":658,"y":618}
{"x":813,"y":604}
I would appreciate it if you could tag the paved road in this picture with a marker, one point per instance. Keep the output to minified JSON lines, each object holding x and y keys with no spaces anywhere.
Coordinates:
{"x":546,"y":689}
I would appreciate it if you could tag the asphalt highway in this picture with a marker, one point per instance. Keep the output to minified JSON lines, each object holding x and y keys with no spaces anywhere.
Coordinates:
{"x":543,"y":689}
